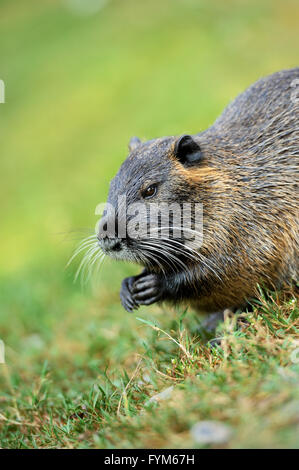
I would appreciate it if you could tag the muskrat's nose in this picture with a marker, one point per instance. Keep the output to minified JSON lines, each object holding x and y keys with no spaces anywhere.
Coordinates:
{"x":107,"y":239}
{"x":109,"y":244}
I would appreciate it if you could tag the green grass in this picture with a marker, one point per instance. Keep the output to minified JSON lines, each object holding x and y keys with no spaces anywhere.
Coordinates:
{"x":79,"y":370}
{"x":91,"y":387}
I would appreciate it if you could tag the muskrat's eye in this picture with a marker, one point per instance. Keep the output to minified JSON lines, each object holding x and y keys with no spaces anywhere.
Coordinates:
{"x":150,"y":191}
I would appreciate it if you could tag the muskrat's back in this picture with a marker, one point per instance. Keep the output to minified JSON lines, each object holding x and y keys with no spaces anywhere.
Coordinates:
{"x":256,"y":142}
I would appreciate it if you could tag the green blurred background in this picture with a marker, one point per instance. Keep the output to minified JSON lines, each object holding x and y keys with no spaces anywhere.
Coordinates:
{"x":79,"y":85}
{"x":81,"y":78}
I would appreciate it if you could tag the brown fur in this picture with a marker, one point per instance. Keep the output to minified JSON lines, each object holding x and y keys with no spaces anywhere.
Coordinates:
{"x":249,"y":190}
{"x":247,"y":181}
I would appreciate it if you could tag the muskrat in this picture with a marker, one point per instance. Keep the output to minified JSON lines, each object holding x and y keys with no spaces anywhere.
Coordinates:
{"x":244,"y":171}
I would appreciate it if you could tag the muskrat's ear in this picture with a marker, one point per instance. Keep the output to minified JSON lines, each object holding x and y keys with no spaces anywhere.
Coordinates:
{"x":133,"y":144}
{"x":187,"y":151}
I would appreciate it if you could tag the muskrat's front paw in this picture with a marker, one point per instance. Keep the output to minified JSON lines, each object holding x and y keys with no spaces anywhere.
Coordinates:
{"x":147,"y":290}
{"x":126,"y":297}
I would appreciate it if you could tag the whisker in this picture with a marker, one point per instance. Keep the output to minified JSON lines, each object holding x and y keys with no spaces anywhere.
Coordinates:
{"x":154,"y":247}
{"x":151,"y":255}
{"x":84,"y":260}
{"x":80,"y":248}
{"x":184,"y":250}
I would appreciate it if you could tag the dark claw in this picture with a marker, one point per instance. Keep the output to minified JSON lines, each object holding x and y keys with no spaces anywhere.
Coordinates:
{"x":147,"y":289}
{"x":146,"y":294}
{"x":150,"y":301}
{"x":144,"y":283}
{"x":126,"y":294}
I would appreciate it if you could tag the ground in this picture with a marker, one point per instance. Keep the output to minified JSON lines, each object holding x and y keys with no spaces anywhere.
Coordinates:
{"x":82,"y":382}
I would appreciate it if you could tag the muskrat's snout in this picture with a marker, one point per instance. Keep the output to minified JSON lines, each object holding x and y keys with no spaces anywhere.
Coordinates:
{"x":107,"y":240}
{"x":117,"y":248}
{"x":110,"y":244}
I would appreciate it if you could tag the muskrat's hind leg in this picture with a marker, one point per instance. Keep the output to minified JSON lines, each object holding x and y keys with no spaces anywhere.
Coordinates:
{"x":211,"y":321}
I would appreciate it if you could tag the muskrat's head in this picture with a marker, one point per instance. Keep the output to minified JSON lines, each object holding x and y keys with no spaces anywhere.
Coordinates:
{"x":149,"y":203}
